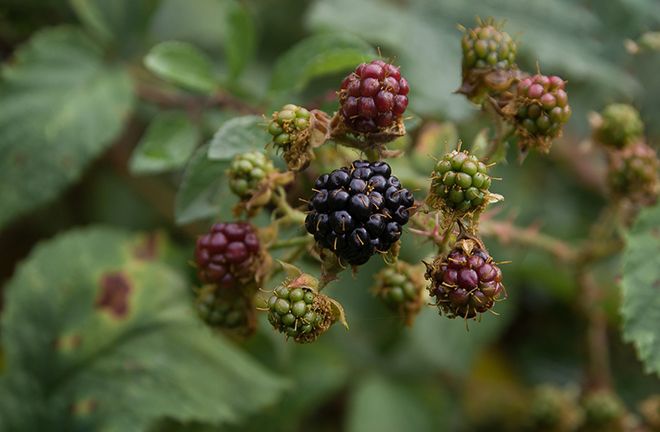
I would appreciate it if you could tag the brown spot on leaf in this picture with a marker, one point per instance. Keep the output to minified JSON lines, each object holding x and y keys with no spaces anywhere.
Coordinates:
{"x":655,"y":232}
{"x":147,"y":247}
{"x":113,"y":297}
{"x":67,"y":343}
{"x":656,"y":284}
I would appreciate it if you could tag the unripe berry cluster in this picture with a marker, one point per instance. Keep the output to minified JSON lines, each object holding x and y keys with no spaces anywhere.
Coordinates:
{"x":359,"y":210}
{"x":486,"y":46}
{"x":247,"y":171}
{"x":618,"y":125}
{"x":460,"y":183}
{"x":288,"y":124}
{"x":401,"y":287}
{"x":223,"y":309}
{"x":299,"y":313}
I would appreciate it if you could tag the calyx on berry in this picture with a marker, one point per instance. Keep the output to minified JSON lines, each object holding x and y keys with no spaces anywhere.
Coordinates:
{"x":358,"y":211}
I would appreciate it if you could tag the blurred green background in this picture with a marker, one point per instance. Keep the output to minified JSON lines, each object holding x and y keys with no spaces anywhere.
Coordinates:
{"x":75,"y":102}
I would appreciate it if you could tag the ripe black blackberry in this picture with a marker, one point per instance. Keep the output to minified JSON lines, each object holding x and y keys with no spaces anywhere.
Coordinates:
{"x":374,"y":97}
{"x":229,"y":255}
{"x":359,"y":210}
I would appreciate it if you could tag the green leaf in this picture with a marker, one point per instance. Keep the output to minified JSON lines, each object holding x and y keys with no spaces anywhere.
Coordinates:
{"x":238,"y":135}
{"x":60,"y":107}
{"x":240,"y":38}
{"x":381,"y":405}
{"x":183,"y":64}
{"x":203,"y":192}
{"x":167,"y":144}
{"x":316,"y":56}
{"x":100,"y":335}
{"x":641,"y":285}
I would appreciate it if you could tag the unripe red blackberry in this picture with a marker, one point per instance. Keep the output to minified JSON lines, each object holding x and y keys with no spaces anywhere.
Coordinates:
{"x":300,"y":312}
{"x":401,"y":288}
{"x":460,"y":184}
{"x":226,"y":309}
{"x":539,"y":111}
{"x":247,"y":171}
{"x":358,"y":210}
{"x":618,"y":125}
{"x":296,"y":132}
{"x":229,"y":255}
{"x":466,"y":282}
{"x":373,"y":97}
{"x":633,"y":174}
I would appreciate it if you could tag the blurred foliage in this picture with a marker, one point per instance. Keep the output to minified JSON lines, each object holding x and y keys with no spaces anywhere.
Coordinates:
{"x":92,"y":132}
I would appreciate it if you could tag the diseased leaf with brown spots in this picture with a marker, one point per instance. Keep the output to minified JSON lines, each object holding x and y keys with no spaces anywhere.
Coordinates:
{"x":98,"y":338}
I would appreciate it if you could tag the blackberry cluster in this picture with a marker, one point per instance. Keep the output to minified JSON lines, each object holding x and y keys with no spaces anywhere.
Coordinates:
{"x":374,"y":97}
{"x":359,"y":210}
{"x":288,"y":124}
{"x":460,"y":183}
{"x":540,"y":109}
{"x":247,"y":171}
{"x":619,"y":125}
{"x":227,"y":310}
{"x":228,"y":255}
{"x":465,"y":283}
{"x":299,"y":312}
{"x":633,"y":174}
{"x":400,"y":287}
{"x":487,"y":47}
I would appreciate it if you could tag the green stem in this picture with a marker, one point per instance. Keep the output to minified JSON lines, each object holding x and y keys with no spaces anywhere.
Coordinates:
{"x":291,"y":242}
{"x":289,"y":214}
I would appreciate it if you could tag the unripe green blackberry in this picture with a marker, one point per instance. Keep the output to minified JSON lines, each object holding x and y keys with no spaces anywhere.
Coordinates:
{"x":618,"y":126}
{"x":487,"y":47}
{"x":539,"y":111}
{"x":466,"y":282}
{"x":247,"y":171}
{"x":288,"y":124}
{"x":226,"y":310}
{"x":489,"y":61}
{"x":300,"y":312}
{"x":296,"y":132}
{"x":633,"y":174}
{"x":401,"y":288}
{"x":460,"y":184}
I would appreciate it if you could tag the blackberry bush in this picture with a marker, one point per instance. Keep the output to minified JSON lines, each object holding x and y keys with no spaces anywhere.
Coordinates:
{"x":358,"y":211}
{"x":466,"y":282}
{"x":373,"y":98}
{"x":459,"y":184}
{"x":229,"y":255}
